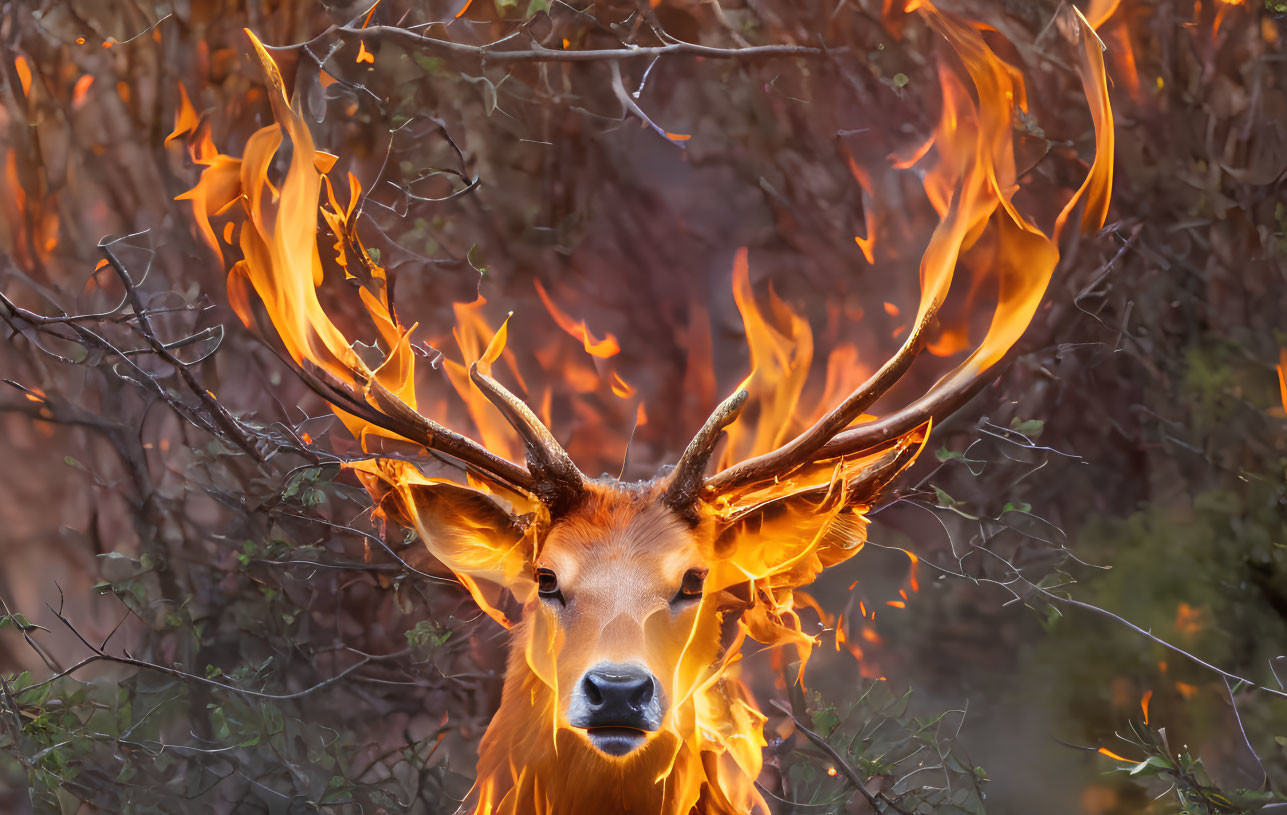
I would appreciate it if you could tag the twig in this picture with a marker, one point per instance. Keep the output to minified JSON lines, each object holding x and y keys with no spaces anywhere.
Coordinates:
{"x":98,"y":655}
{"x":417,"y":41}
{"x":222,"y":418}
{"x":1147,"y":634}
{"x":875,"y":799}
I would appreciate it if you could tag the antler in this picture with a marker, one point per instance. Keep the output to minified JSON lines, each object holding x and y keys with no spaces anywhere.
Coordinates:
{"x":823,"y":441}
{"x":556,"y":479}
{"x":392,"y":414}
{"x":807,"y":446}
{"x":690,"y":473}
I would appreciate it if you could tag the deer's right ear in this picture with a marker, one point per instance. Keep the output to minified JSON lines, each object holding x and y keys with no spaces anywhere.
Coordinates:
{"x":476,"y":534}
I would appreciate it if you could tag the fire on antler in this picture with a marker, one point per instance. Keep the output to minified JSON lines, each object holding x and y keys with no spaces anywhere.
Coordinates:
{"x":619,"y":687}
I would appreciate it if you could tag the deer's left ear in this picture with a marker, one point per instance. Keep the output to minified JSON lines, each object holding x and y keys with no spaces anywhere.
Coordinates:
{"x":785,"y":531}
{"x":477,"y":534}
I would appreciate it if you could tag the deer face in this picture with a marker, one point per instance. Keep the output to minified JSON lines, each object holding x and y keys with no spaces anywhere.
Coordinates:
{"x":618,"y":588}
{"x":626,"y":595}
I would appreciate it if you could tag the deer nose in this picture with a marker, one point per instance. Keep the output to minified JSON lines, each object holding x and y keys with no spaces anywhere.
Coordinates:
{"x":618,"y":694}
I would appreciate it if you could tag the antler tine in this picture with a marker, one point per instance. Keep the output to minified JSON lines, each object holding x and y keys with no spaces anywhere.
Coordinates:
{"x":690,"y":473}
{"x":803,"y":447}
{"x":391,"y":413}
{"x":558,"y":482}
{"x":942,"y":400}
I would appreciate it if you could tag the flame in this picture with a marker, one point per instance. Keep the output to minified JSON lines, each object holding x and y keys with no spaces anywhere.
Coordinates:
{"x":185,"y":119}
{"x":24,"y":74}
{"x":1106,"y":752}
{"x":81,"y":90}
{"x":778,"y":536}
{"x":603,"y":349}
{"x":1144,"y":700}
{"x":1189,"y":620}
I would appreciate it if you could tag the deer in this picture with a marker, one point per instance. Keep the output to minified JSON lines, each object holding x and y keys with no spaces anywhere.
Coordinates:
{"x":622,"y":690}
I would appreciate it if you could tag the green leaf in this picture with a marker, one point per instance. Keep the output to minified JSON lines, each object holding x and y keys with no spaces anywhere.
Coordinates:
{"x":1031,"y":427}
{"x":946,"y":501}
{"x":1157,"y":763}
{"x":825,"y":721}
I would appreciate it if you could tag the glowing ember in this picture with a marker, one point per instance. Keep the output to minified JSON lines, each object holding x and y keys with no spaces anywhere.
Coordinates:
{"x":1106,"y":752}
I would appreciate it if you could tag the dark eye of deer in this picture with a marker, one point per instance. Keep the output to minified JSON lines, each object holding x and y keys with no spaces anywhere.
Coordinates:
{"x":690,"y":588}
{"x":547,"y":585}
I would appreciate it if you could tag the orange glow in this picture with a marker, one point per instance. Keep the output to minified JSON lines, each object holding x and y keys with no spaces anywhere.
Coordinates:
{"x":1223,"y":7}
{"x":24,"y":74}
{"x":1106,"y":752}
{"x":1186,"y":690}
{"x":1148,"y":696}
{"x":1189,"y":620}
{"x":1097,"y":188}
{"x":867,"y":245}
{"x":913,"y":563}
{"x":620,"y":388}
{"x":1098,"y":12}
{"x":891,"y":309}
{"x":81,"y":90}
{"x":603,"y":349}
{"x":29,"y":210}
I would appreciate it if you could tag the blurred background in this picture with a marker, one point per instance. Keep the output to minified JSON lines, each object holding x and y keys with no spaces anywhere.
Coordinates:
{"x":172,"y":495}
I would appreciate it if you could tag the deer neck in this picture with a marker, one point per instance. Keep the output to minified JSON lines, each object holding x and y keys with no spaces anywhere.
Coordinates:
{"x":528,"y":766}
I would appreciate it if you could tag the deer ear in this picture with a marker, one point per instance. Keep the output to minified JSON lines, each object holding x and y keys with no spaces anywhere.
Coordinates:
{"x":784,"y":532}
{"x":476,"y":534}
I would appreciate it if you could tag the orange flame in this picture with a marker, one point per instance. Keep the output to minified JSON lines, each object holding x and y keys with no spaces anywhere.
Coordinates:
{"x":1106,"y":752}
{"x":603,"y":349}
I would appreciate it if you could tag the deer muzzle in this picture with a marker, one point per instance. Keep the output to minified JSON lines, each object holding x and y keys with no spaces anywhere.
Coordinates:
{"x":617,"y":704}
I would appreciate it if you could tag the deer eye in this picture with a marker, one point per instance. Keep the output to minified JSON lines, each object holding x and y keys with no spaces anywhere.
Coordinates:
{"x":690,"y":588}
{"x":547,"y":585}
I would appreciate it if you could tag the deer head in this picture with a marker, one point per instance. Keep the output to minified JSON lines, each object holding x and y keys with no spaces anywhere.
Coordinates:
{"x":622,"y":691}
